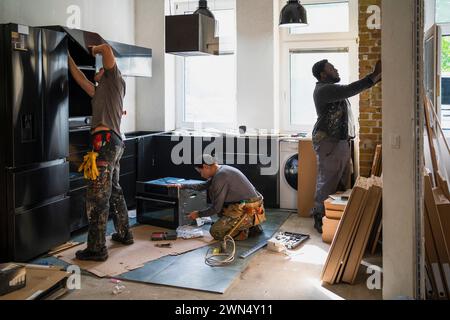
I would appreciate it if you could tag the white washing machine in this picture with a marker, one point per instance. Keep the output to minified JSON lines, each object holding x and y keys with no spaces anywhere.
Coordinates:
{"x":288,"y":173}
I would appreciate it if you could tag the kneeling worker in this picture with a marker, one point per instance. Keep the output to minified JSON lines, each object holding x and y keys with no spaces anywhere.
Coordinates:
{"x":233,"y":198}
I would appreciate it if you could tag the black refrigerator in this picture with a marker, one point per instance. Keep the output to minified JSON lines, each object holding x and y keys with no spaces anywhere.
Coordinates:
{"x":34,"y":142}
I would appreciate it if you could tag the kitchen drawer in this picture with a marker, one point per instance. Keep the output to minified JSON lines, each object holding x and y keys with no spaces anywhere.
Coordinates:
{"x":40,"y":229}
{"x":77,"y":214}
{"x":36,"y":185}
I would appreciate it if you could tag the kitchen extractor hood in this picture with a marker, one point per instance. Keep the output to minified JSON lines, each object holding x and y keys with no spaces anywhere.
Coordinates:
{"x":136,"y":61}
{"x":191,"y":35}
{"x":133,"y":61}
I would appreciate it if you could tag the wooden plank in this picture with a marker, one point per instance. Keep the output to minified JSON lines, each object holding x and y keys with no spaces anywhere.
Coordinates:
{"x":443,"y":184}
{"x":436,"y":230}
{"x":307,"y":177}
{"x":433,"y":259}
{"x":363,"y":232}
{"x":377,"y":237}
{"x":430,"y":284}
{"x":344,"y":232}
{"x":374,"y":231}
{"x":377,"y":160}
{"x":430,"y":139}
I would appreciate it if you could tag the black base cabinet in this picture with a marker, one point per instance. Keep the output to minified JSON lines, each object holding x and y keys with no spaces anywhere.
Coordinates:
{"x":235,"y":150}
{"x":128,"y":174}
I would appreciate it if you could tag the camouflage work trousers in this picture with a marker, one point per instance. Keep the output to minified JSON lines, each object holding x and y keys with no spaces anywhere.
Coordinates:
{"x":104,"y":195}
{"x":252,"y":212}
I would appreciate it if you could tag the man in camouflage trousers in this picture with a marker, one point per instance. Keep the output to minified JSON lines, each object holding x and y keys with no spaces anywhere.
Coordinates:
{"x":104,"y":194}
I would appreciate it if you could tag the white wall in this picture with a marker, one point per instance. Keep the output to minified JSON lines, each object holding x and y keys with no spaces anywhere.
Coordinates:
{"x":112,"y":19}
{"x":155,"y":98}
{"x":256,"y":60}
{"x":399,"y":165}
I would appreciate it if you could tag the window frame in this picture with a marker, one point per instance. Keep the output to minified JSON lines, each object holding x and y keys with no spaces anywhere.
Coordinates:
{"x":317,"y":41}
{"x":351,"y":34}
{"x":352,"y":47}
{"x":443,"y":30}
{"x":180,"y":79}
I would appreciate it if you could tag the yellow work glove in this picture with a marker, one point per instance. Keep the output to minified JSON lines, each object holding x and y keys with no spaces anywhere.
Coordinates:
{"x":89,"y":166}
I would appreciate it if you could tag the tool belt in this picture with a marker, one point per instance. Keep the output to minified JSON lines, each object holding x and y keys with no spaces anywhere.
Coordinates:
{"x":252,"y":208}
{"x":100,"y":139}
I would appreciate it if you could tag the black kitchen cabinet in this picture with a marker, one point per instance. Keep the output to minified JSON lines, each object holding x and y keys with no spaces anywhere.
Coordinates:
{"x":128,"y":172}
{"x":248,"y":154}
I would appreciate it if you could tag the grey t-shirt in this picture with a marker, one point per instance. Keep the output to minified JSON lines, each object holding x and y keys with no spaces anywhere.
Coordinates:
{"x":107,"y":103}
{"x":229,"y":185}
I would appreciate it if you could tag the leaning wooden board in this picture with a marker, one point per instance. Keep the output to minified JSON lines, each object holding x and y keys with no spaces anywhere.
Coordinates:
{"x":344,"y":233}
{"x":363,"y":232}
{"x":437,"y":232}
{"x":432,"y":259}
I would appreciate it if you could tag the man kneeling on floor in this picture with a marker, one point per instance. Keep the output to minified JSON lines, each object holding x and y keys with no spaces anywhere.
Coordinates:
{"x":233,"y":198}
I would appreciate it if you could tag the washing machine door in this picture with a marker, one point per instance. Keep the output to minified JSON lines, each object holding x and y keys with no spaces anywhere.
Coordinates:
{"x":291,"y":171}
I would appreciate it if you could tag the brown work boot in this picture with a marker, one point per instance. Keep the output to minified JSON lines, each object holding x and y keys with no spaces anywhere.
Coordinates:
{"x":127,"y":240}
{"x":243,"y":235}
{"x":88,"y":255}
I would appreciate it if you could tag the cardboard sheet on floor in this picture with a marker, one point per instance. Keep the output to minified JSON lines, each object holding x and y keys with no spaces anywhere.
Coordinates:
{"x":41,"y":282}
{"x":126,"y":258}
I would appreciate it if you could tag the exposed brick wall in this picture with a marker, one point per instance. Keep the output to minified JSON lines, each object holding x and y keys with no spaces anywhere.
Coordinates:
{"x":370,"y":119}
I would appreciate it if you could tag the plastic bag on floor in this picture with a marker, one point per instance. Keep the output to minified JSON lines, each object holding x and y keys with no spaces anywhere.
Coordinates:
{"x":189,"y":232}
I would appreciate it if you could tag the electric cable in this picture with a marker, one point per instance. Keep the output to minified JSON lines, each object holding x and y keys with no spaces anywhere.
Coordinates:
{"x":214,"y":259}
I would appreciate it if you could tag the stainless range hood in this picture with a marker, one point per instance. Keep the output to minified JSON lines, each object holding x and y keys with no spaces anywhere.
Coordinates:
{"x":191,"y":35}
{"x":132,"y":60}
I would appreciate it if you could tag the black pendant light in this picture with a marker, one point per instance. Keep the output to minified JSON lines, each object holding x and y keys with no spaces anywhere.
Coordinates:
{"x":203,"y":9}
{"x":293,"y":15}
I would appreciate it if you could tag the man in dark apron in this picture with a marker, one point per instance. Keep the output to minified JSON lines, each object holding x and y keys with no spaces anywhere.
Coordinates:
{"x":334,"y":131}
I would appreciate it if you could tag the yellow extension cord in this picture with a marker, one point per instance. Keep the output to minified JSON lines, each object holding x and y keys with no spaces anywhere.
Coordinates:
{"x":89,"y":166}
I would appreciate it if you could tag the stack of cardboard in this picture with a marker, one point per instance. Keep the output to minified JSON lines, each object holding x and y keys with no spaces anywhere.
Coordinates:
{"x":334,"y":209}
{"x":352,"y":236}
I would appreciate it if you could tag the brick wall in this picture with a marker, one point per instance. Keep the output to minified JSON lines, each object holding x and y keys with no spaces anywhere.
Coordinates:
{"x":370,"y":119}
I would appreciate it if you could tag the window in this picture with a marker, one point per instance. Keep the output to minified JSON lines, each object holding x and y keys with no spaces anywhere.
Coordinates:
{"x":442,"y":11}
{"x":209,"y":82}
{"x":334,"y":39}
{"x":445,"y":82}
{"x":302,"y":82}
{"x":319,"y":18}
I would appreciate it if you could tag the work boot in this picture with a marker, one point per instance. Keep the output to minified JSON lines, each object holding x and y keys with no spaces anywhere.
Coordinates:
{"x":255,"y":231}
{"x":243,"y":235}
{"x":88,"y":255}
{"x":318,"y":223}
{"x":127,"y":240}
